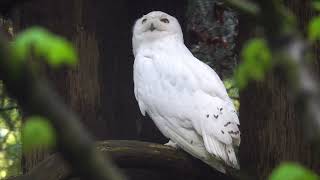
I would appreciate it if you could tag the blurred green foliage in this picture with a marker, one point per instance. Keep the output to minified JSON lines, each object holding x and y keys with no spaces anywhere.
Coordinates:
{"x":36,"y":43}
{"x":292,"y":171}
{"x":316,"y":5}
{"x":233,"y":91}
{"x":314,"y":29}
{"x":314,"y":24}
{"x":41,"y":44}
{"x":256,"y":61}
{"x":37,"y":132}
{"x":10,"y":139}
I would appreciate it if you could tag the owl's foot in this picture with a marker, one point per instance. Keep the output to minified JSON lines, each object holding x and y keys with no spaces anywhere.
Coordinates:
{"x":172,"y":144}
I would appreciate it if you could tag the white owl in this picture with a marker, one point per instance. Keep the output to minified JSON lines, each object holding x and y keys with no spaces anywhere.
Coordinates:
{"x":183,"y":96}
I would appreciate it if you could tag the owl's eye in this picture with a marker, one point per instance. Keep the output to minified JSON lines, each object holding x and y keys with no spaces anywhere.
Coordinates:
{"x":164,"y":20}
{"x":144,"y":20}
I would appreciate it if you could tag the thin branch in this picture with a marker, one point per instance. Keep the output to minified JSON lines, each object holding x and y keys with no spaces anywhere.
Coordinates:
{"x":37,"y":97}
{"x":8,"y":120}
{"x":244,"y":6}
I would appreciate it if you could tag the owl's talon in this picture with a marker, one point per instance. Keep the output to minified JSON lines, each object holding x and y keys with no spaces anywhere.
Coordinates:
{"x":172,"y":144}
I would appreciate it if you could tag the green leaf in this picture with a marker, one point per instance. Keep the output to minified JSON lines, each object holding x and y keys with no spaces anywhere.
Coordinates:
{"x":41,"y":44}
{"x":61,"y":52}
{"x":37,"y":132}
{"x":314,"y":29}
{"x":256,"y":58}
{"x":316,"y":5}
{"x":228,"y":83}
{"x":292,"y":171}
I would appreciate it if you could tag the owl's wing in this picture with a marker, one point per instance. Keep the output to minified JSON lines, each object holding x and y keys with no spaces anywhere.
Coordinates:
{"x":210,"y":83}
{"x":140,"y":80}
{"x":215,"y":117}
{"x":215,"y":123}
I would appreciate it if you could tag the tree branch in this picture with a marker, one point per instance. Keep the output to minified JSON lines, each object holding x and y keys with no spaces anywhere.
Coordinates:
{"x":135,"y":154}
{"x":243,"y":6}
{"x":35,"y":96}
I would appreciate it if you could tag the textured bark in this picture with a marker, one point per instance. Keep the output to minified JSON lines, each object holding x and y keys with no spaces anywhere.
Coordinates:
{"x":79,"y":86}
{"x":211,"y":34}
{"x":271,"y":130}
{"x":7,"y":5}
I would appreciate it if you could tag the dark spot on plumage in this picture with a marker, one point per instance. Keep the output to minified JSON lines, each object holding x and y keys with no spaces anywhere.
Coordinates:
{"x":227,"y":124}
{"x":222,"y":132}
{"x":148,"y":57}
{"x":229,"y":151}
{"x":144,"y":20}
{"x":234,"y":132}
{"x":216,"y":116}
{"x":165,"y":20}
{"x":207,"y":115}
{"x":221,"y":109}
{"x":191,"y":142}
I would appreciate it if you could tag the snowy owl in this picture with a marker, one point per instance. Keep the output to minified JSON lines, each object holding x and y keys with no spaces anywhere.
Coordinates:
{"x":183,"y":96}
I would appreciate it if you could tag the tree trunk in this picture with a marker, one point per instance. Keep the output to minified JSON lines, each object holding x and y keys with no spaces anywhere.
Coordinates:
{"x":271,"y":130}
{"x":100,"y":87}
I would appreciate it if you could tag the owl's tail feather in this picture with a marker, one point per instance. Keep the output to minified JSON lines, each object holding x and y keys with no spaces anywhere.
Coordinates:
{"x":196,"y":150}
{"x":216,"y":165}
{"x":232,"y":157}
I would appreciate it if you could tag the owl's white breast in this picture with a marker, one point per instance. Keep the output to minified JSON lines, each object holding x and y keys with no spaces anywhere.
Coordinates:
{"x":162,"y":82}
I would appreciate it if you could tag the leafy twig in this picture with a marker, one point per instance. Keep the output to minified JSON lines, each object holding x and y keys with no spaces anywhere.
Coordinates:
{"x":37,"y":97}
{"x":288,"y":52}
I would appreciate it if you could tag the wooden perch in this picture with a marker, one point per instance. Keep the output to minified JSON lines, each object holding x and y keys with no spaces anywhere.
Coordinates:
{"x":133,"y":154}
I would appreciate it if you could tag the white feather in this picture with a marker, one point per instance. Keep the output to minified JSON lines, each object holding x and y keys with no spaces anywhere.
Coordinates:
{"x":184,"y":97}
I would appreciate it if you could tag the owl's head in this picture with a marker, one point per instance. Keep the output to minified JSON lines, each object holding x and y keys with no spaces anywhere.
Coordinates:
{"x":154,"y":26}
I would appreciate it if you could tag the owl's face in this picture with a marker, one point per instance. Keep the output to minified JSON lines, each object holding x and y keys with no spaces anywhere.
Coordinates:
{"x":155,"y":25}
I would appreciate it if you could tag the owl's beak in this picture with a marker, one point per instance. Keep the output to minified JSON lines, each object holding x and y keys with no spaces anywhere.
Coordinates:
{"x":152,"y":28}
